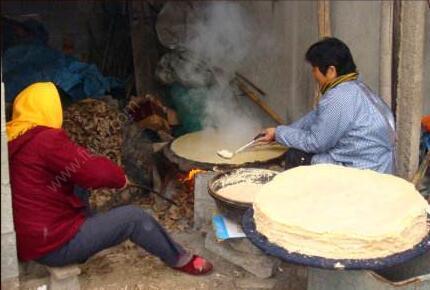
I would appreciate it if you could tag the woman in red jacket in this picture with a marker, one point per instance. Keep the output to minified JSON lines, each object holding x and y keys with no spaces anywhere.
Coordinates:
{"x":50,"y":220}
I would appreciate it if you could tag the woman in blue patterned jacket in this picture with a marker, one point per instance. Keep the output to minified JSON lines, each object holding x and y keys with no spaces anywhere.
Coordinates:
{"x":350,"y":125}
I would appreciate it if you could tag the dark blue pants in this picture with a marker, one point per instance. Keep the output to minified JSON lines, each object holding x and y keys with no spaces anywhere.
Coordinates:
{"x":108,"y":229}
{"x":295,"y":157}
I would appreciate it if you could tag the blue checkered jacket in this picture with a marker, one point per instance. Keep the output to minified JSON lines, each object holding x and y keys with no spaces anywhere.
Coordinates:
{"x":351,"y":126}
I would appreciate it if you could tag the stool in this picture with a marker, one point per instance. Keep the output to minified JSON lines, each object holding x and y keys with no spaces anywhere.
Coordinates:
{"x":64,"y":278}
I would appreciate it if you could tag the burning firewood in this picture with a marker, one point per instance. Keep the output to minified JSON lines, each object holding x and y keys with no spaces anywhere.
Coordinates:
{"x":188,"y":178}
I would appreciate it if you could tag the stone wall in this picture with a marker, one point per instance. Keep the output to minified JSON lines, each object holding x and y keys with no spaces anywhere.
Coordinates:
{"x":9,"y":261}
{"x":276,"y":62}
{"x":357,"y":23}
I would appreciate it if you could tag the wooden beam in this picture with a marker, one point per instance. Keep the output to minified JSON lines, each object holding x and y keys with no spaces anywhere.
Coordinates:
{"x":324,"y":24}
{"x":144,"y":44}
{"x":395,"y":55}
{"x":324,"y":30}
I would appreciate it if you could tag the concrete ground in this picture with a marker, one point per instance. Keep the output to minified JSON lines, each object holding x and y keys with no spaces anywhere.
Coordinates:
{"x":126,"y":267}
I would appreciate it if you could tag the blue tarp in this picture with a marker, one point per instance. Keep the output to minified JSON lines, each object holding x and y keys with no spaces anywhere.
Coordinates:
{"x":29,"y":63}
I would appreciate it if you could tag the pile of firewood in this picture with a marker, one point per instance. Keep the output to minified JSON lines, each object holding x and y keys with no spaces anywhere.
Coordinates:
{"x":103,"y":129}
{"x":96,"y":126}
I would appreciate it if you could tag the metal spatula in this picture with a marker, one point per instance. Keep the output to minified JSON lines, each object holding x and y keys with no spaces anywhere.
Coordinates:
{"x":226,"y":154}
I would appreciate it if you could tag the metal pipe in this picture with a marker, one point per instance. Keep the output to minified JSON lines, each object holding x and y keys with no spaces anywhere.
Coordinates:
{"x":144,"y":187}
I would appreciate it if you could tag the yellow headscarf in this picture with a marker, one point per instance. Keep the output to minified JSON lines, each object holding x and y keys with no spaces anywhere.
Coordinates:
{"x":37,"y":105}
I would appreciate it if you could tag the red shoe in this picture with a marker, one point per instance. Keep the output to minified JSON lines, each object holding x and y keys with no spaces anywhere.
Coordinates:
{"x":197,"y":266}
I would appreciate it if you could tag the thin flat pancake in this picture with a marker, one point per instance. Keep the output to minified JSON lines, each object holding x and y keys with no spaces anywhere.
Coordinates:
{"x":338,"y":212}
{"x":202,"y":147}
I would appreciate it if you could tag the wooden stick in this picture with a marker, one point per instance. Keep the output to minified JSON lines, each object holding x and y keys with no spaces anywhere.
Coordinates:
{"x":251,"y":84}
{"x":259,"y":102}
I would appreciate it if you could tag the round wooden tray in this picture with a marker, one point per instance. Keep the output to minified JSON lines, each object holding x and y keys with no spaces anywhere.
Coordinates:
{"x":269,"y":248}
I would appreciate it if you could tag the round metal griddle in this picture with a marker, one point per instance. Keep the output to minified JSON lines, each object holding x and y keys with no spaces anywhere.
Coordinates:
{"x":231,"y":208}
{"x":186,"y":165}
{"x":269,"y":248}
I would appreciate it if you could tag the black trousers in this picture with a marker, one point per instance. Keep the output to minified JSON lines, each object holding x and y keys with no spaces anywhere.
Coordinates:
{"x":108,"y":229}
{"x":295,"y":157}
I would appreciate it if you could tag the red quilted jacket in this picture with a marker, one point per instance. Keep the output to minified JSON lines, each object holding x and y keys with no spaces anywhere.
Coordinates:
{"x":44,"y":167}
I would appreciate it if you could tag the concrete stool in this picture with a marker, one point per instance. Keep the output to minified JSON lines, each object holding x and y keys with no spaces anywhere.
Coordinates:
{"x":252,"y":259}
{"x":64,"y":278}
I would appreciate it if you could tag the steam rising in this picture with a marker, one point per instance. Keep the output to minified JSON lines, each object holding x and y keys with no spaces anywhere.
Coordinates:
{"x":222,"y":38}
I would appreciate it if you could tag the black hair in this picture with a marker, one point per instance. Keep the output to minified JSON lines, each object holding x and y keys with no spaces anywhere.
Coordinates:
{"x":331,"y":51}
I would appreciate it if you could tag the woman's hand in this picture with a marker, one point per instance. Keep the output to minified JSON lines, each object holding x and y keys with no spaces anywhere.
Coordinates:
{"x":269,"y":135}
